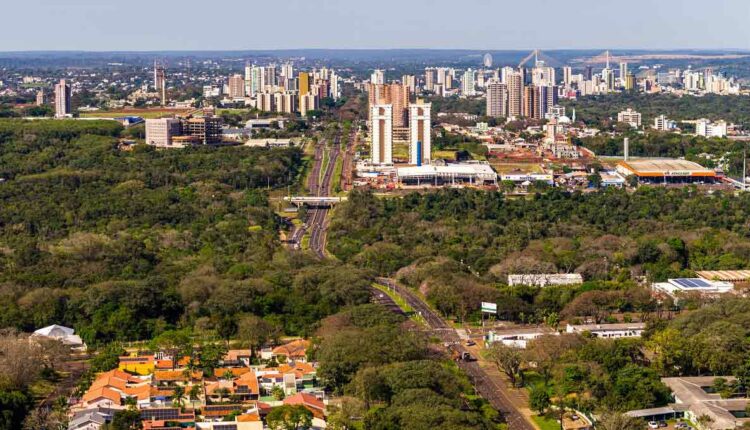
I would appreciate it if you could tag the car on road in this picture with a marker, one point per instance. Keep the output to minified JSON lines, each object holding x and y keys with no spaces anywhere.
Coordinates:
{"x":470,"y":343}
{"x":653,"y":425}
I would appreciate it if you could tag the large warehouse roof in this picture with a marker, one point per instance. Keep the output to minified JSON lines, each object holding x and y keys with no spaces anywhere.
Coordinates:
{"x":664,"y":167}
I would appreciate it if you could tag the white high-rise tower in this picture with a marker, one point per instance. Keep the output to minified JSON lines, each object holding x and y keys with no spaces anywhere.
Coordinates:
{"x":420,"y":126}
{"x":381,"y":118}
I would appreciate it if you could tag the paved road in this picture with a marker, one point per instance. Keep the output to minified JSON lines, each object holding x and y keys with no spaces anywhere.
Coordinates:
{"x":313,"y":189}
{"x":487,"y":387}
{"x":316,"y":222}
{"x":318,"y":218}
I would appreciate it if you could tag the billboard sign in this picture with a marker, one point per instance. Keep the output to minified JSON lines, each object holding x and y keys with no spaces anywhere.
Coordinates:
{"x":490,"y":308}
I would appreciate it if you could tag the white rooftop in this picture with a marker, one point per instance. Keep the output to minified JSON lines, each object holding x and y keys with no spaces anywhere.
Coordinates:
{"x":482,"y":170}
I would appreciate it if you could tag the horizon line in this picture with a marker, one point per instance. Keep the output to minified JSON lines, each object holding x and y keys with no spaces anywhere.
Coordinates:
{"x":96,"y":51}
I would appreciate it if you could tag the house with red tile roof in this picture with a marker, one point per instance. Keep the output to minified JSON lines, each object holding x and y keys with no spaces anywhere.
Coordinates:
{"x":312,"y":403}
{"x":110,"y":389}
{"x":244,"y":387}
{"x":295,"y":350}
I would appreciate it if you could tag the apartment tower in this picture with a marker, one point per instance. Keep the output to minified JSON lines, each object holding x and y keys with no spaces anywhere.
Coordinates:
{"x":382,"y":134}
{"x":420,"y":126}
{"x":62,"y":99}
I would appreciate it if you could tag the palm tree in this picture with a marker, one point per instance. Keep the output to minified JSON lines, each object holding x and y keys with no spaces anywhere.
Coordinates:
{"x":222,"y":392}
{"x":179,"y":392}
{"x":194,"y":393}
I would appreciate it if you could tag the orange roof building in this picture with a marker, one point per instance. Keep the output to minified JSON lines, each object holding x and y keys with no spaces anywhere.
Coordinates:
{"x":294,"y":350}
{"x":312,"y":403}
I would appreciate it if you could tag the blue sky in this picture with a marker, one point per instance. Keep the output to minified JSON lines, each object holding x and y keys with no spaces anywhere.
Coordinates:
{"x":102,"y":25}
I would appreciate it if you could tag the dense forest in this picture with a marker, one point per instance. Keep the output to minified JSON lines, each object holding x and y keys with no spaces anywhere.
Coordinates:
{"x":389,"y":378}
{"x":602,"y":109}
{"x":180,"y":247}
{"x":459,"y":245}
{"x":123,"y":245}
{"x":456,"y":248}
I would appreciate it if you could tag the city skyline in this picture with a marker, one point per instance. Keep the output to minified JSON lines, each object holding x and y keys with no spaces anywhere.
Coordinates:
{"x":582,"y":24}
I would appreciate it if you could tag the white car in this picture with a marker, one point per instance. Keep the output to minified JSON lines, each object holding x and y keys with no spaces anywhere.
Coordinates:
{"x":653,"y":425}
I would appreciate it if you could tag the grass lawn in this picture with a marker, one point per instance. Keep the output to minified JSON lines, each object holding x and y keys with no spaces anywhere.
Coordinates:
{"x":401,"y":150}
{"x":401,"y":303}
{"x":546,"y":423}
{"x":446,"y":154}
{"x":337,"y":169}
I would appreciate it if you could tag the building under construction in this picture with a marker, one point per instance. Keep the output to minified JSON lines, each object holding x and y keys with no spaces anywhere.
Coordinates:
{"x":179,"y":132}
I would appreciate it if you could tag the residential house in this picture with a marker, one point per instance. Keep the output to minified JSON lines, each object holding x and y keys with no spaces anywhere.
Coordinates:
{"x":313,"y":404}
{"x":139,"y":364}
{"x":295,"y":350}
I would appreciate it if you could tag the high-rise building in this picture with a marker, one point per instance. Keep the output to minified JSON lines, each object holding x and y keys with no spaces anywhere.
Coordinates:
{"x":530,"y":107}
{"x":287,"y":70}
{"x":545,"y":97}
{"x":497,"y":99}
{"x":377,"y":77}
{"x":307,"y":103}
{"x":249,"y":80}
{"x":398,"y":96}
{"x":269,"y":76}
{"x":588,"y":73}
{"x":304,"y":83}
{"x":542,"y":74}
{"x":481,"y":83}
{"x":335,"y":86}
{"x":608,"y":77}
{"x":410,"y":81}
{"x":505,"y":73}
{"x":205,"y":130}
{"x":62,"y":99}
{"x":430,"y":79}
{"x":630,"y":82}
{"x":382,"y":134}
{"x":159,"y":132}
{"x":236,"y":86}
{"x":41,"y":98}
{"x":420,"y":127}
{"x":160,"y":82}
{"x":623,"y":71}
{"x":264,"y":102}
{"x":285,"y":102}
{"x":567,"y":76}
{"x":515,"y":94}
{"x":257,"y":80}
{"x":468,"y":87}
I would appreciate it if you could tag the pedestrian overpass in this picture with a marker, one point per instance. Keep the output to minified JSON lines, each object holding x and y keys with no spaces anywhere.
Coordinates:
{"x":314,"y":201}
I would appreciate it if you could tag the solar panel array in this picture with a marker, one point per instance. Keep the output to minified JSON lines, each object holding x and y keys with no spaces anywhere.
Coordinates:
{"x":689,"y":283}
{"x":160,"y":414}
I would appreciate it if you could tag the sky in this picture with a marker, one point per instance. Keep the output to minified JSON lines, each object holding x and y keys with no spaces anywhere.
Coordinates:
{"x":148,"y":25}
